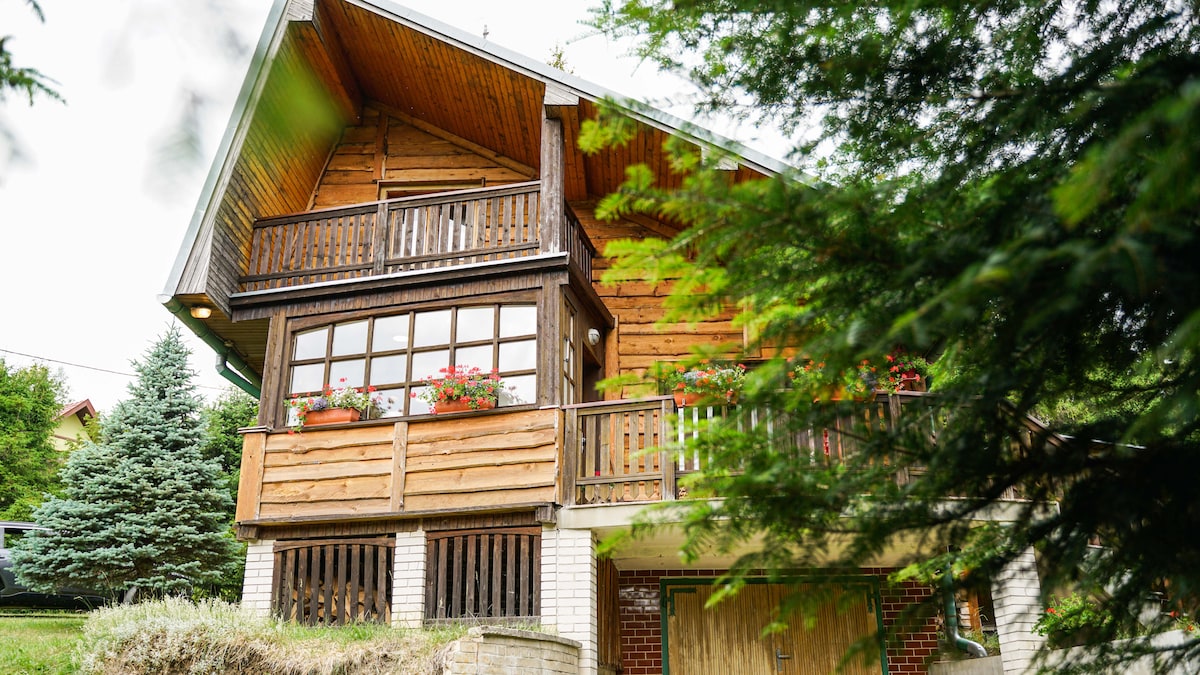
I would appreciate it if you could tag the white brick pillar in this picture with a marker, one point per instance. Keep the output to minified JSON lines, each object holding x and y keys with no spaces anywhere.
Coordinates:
{"x":1016,"y":600}
{"x":569,"y":590}
{"x":256,"y":585}
{"x":408,"y":580}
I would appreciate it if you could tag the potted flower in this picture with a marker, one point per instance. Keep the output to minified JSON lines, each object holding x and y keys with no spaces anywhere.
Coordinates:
{"x":720,"y":384}
{"x":903,"y":372}
{"x":856,"y":384}
{"x":333,"y":405}
{"x":460,"y":388}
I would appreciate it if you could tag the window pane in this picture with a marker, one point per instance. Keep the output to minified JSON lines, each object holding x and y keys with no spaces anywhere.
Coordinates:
{"x":431,"y":328}
{"x":519,"y":389}
{"x":429,"y":364}
{"x":518,"y":355}
{"x":307,"y":378}
{"x":475,"y":323}
{"x":349,"y":338}
{"x":352,"y":371}
{"x":391,"y":333}
{"x":518,"y":320}
{"x":392,"y":402}
{"x":311,"y":344}
{"x":389,"y":369}
{"x":415,"y":405}
{"x":480,"y":357}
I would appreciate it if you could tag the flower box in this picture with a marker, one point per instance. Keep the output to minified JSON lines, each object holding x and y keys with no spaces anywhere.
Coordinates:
{"x":331,"y":416}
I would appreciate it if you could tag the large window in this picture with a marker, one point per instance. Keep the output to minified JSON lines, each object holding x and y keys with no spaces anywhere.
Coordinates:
{"x":394,"y":353}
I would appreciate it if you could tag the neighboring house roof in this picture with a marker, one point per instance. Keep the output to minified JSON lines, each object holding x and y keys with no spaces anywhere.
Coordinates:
{"x":80,"y":409}
{"x":70,"y":423}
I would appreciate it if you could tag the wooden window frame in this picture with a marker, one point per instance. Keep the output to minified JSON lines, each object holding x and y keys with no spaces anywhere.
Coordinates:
{"x":407,"y":386}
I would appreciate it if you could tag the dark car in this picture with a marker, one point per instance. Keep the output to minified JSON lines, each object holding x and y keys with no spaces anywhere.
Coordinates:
{"x":13,"y":594}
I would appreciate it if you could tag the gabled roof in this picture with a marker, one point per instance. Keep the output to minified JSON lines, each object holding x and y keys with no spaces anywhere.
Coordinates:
{"x":318,"y":63}
{"x":81,"y":409}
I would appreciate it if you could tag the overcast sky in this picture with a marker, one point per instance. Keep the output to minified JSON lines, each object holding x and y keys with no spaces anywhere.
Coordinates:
{"x":94,"y":208}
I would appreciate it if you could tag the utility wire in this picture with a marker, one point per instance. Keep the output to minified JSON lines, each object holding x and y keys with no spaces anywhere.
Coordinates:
{"x":80,"y":365}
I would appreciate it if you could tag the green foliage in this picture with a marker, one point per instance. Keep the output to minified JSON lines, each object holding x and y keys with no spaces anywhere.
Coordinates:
{"x":1010,"y":187}
{"x":142,"y":510}
{"x":27,"y":81}
{"x":30,"y":399}
{"x":233,"y":410}
{"x":1071,"y":620}
{"x":41,"y":643}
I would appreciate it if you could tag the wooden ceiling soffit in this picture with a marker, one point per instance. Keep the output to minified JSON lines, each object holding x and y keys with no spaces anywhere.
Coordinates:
{"x":506,"y":162}
{"x":322,"y":50}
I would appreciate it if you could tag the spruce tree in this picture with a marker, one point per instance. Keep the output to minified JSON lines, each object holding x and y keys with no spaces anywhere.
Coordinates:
{"x":142,"y":511}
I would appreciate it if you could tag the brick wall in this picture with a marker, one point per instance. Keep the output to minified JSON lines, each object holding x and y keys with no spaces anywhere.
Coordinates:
{"x":641,"y":622}
{"x":915,"y":644}
{"x":408,"y":580}
{"x":256,"y":584}
{"x":492,"y":650}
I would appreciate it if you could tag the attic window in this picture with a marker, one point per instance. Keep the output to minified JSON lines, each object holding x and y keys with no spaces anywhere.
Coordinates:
{"x":394,"y":189}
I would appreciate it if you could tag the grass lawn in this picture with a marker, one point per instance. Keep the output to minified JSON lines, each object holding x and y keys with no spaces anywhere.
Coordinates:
{"x":39,"y":644}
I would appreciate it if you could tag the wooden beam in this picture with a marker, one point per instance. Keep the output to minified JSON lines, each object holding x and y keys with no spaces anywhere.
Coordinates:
{"x":250,"y":479}
{"x":399,"y":462}
{"x":506,"y":162}
{"x":557,"y":98}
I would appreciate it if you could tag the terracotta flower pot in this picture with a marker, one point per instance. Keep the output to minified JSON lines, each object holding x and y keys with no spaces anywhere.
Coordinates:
{"x":460,"y":406}
{"x":331,"y":416}
{"x":685,"y":399}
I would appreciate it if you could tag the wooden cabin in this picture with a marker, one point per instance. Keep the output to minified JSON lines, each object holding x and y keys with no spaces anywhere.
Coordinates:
{"x":394,"y":196}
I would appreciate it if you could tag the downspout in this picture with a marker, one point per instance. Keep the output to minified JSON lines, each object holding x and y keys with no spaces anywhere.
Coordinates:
{"x":225,"y":356}
{"x":975,"y":649}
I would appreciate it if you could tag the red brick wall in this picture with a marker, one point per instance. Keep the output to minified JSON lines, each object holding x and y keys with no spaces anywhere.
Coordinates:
{"x":641,"y":622}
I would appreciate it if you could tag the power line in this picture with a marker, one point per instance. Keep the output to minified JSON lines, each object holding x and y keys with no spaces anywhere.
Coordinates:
{"x":80,"y":365}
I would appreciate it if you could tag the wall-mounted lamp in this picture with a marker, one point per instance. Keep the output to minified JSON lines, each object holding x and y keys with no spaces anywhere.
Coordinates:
{"x":201,"y":312}
{"x":593,"y":337}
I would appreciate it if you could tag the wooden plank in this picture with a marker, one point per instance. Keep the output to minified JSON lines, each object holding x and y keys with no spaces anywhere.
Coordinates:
{"x":516,"y":439}
{"x":250,"y":478}
{"x":485,"y":580}
{"x":489,"y":498}
{"x":399,"y":465}
{"x":347,"y":508}
{"x":481,"y":479}
{"x":352,"y":603}
{"x":510,"y":589}
{"x":474,"y":458}
{"x":318,"y":439}
{"x":373,"y":467}
{"x":469,"y":598}
{"x":367,"y":487}
{"x":331,"y":455}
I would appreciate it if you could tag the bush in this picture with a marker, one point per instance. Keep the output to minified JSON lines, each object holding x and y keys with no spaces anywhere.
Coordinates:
{"x":176,"y":636}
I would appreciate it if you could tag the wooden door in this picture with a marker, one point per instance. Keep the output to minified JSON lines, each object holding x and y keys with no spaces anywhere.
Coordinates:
{"x":728,"y":640}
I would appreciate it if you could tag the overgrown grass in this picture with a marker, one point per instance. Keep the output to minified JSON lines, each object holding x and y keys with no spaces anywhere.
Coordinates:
{"x":39,"y":644}
{"x":177,"y":636}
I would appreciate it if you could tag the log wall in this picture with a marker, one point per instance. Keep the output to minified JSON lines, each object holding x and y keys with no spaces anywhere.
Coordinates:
{"x":384,"y":147}
{"x":471,"y":461}
{"x":640,"y":339}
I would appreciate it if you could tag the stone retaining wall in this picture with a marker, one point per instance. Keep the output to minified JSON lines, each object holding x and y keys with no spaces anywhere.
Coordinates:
{"x":492,"y":650}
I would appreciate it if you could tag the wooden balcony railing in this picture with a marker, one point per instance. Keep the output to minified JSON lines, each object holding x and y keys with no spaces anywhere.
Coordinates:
{"x":410,"y":233}
{"x":634,"y":451}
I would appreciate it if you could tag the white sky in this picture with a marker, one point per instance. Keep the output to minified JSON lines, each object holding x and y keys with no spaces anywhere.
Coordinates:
{"x":91,"y":221}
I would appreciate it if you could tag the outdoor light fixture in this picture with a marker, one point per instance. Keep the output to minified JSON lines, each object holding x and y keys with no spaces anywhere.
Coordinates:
{"x":201,"y":312}
{"x":593,"y":337}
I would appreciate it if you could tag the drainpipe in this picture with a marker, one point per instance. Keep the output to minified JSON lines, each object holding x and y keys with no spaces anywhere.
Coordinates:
{"x":975,"y":649}
{"x":225,"y":356}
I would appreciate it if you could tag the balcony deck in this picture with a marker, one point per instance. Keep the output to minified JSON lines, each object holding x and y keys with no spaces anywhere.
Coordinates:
{"x":412,"y":233}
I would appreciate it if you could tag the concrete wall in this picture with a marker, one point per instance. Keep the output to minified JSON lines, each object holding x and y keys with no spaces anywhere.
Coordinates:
{"x":991,"y":665}
{"x":489,"y":650}
{"x":569,"y":590}
{"x":256,"y":584}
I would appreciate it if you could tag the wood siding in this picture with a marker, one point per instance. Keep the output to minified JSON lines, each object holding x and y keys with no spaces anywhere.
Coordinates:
{"x":638,"y":306}
{"x":472,"y":461}
{"x":384,"y":147}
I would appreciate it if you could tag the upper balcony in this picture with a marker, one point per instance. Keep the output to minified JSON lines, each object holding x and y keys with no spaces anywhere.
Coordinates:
{"x":408,"y":234}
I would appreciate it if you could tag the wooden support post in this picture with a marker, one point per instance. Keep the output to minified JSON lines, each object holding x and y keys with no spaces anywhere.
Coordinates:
{"x":379,"y":240}
{"x":553,"y":161}
{"x":250,"y":480}
{"x":399,"y":464}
